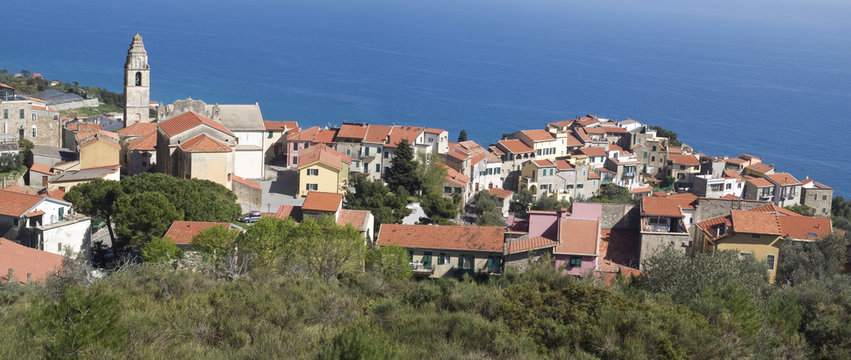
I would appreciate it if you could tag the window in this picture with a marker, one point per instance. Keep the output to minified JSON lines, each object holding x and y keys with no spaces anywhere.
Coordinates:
{"x":755,"y":236}
{"x":682,"y":167}
{"x":295,"y":160}
{"x":427,"y":260}
{"x":447,"y":189}
{"x":824,"y":197}
{"x":645,"y":154}
{"x":441,"y":259}
{"x":715,"y":187}
{"x":575,"y":261}
{"x":312,"y":187}
{"x":537,"y":152}
{"x":349,"y":152}
{"x":729,"y":186}
{"x":654,"y":148}
{"x":21,"y":113}
{"x":469,"y":261}
{"x":270,"y":134}
{"x":386,"y":154}
{"x":457,"y":190}
{"x":551,"y":172}
{"x":769,"y":259}
{"x":5,"y":113}
{"x":378,"y":168}
{"x":138,"y":78}
{"x":461,"y":261}
{"x":15,"y":222}
{"x":35,"y":132}
{"x":446,"y":258}
{"x":431,"y":140}
{"x":59,"y":247}
{"x":34,"y":117}
{"x":494,"y":263}
{"x":312,"y":172}
{"x":366,"y":151}
{"x":652,"y":158}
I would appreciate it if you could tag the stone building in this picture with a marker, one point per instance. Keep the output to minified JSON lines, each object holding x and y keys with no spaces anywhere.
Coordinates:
{"x":817,"y":196}
{"x":137,"y":84}
{"x":192,"y":146}
{"x":29,"y":118}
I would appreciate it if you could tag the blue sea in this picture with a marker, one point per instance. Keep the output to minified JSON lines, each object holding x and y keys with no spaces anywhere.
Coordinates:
{"x":765,"y":77}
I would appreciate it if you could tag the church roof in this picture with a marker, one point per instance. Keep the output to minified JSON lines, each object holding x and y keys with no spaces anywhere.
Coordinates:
{"x":239,"y":117}
{"x":188,"y":120}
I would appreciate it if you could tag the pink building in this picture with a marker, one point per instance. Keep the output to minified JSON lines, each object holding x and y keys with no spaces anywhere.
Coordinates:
{"x":578,"y":238}
{"x":300,"y":140}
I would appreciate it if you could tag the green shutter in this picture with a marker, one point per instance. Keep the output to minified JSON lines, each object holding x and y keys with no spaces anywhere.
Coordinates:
{"x":490,"y":264}
{"x":461,"y":261}
{"x":440,"y":258}
{"x":61,"y":213}
{"x":427,"y":260}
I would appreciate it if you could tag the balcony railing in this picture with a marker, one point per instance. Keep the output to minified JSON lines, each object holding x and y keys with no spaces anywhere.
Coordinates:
{"x":419,"y":269}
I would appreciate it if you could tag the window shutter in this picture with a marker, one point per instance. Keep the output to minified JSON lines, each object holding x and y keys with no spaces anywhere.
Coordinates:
{"x":461,"y":261}
{"x":440,"y":259}
{"x":490,"y":263}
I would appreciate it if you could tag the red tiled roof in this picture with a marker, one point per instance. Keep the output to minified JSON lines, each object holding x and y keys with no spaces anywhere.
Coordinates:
{"x":538,"y":242}
{"x":19,"y":189}
{"x":434,"y":131}
{"x":399,"y":133}
{"x":748,"y":157}
{"x":354,"y":217}
{"x":582,"y":134}
{"x":139,"y":129}
{"x":496,"y":150}
{"x":56,"y":194}
{"x":687,"y":160}
{"x":571,"y":140}
{"x":25,"y":260}
{"x":456,"y":177}
{"x":655,"y":206}
{"x":760,"y":167}
{"x":40,"y":168}
{"x":816,"y":184}
{"x":660,"y":194}
{"x":323,"y":154}
{"x":675,"y":150}
{"x":501,"y":193}
{"x":641,"y":190}
{"x":182,"y":232}
{"x":455,"y":153}
{"x":686,"y":200}
{"x":94,"y":140}
{"x":308,"y":134}
{"x":98,"y":133}
{"x":34,"y":213}
{"x":544,"y":163}
{"x":279,"y":125}
{"x":326,"y":136}
{"x":285,"y":211}
{"x":587,"y":120}
{"x":760,"y":182}
{"x":349,"y":131}
{"x":753,"y":222}
{"x":144,"y":143}
{"x":564,"y":165}
{"x":783,"y":179}
{"x":322,"y":201}
{"x":469,"y":238}
{"x":771,"y":208}
{"x":515,"y":146}
{"x":737,"y":161}
{"x":562,"y":123}
{"x":250,"y":183}
{"x":77,"y":126}
{"x":731,"y":197}
{"x":593,"y":176}
{"x":204,"y":143}
{"x":805,"y":227}
{"x":732,"y":174}
{"x":578,"y":237}
{"x":605,"y":130}
{"x":377,"y":134}
{"x":16,"y":204}
{"x":538,"y":135}
{"x":188,"y":120}
{"x":592,"y":151}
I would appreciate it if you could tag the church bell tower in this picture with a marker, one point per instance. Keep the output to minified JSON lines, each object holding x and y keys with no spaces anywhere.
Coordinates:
{"x":137,"y":84}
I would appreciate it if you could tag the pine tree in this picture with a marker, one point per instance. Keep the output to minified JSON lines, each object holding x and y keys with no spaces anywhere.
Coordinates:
{"x":403,"y":169}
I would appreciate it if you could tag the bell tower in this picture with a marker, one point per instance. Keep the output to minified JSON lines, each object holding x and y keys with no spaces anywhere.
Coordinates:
{"x":137,"y":83}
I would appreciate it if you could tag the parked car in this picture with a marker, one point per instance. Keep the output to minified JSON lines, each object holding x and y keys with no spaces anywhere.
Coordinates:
{"x":250,"y":217}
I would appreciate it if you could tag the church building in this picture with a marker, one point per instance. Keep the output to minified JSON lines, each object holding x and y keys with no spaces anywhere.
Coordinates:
{"x":137,"y":84}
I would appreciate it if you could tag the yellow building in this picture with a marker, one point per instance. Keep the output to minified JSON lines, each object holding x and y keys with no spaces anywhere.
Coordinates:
{"x":322,"y":169}
{"x":98,"y":148}
{"x":758,"y":233}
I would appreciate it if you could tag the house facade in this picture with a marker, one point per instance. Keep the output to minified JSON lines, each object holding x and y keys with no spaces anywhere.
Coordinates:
{"x":323,"y":169}
{"x":190,"y":145}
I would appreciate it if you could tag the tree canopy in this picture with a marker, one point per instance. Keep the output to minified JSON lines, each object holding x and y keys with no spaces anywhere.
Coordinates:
{"x":462,"y":136}
{"x":403,"y":169}
{"x":386,"y":206}
{"x":611,"y":193}
{"x":487,"y":209}
{"x":672,"y":136}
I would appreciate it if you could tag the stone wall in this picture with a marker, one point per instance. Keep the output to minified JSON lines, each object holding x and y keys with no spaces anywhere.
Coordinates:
{"x":247,"y":195}
{"x":654,"y":242}
{"x":620,"y":217}
{"x":76,"y":104}
{"x":712,"y":208}
{"x":819,"y":199}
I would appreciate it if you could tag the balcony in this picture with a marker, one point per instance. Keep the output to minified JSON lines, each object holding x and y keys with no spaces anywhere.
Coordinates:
{"x":663,"y":225}
{"x":420,"y":270}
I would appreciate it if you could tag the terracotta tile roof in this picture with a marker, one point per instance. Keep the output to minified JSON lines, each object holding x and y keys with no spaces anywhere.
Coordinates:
{"x":457,"y":154}
{"x":285,"y":211}
{"x":515,"y":146}
{"x":357,"y":218}
{"x":435,"y":131}
{"x":349,"y":131}
{"x":250,"y":183}
{"x":564,"y":165}
{"x":34,"y":213}
{"x":501,"y":193}
{"x":805,"y":227}
{"x":95,"y":133}
{"x":456,"y":177}
{"x":279,"y":125}
{"x":604,"y":170}
{"x":582,"y":134}
{"x":811,"y":184}
{"x":593,"y":176}
{"x":25,"y":260}
{"x":605,"y":130}
{"x":144,"y":143}
{"x":139,"y":129}
{"x":543,"y":163}
{"x":322,"y":201}
{"x":469,"y":238}
{"x":326,"y":136}
{"x":753,"y":222}
{"x":182,"y":232}
{"x":571,"y":140}
{"x":537,"y":135}
{"x":686,"y":200}
{"x":398,"y":133}
{"x":377,"y":134}
{"x":188,"y":120}
{"x":204,"y":143}
{"x":16,"y":204}
{"x":749,"y":157}
{"x":641,"y":190}
{"x":19,"y":189}
{"x":660,"y":194}
{"x":687,"y":160}
{"x":774,"y":209}
{"x":40,"y":168}
{"x":578,"y":237}
{"x":783,"y":179}
{"x":760,"y":182}
{"x":655,"y":206}
{"x":496,"y":150}
{"x":592,"y":151}
{"x":323,"y":154}
{"x":730,"y":197}
{"x":94,"y":140}
{"x":477,"y":158}
{"x":760,"y":167}
{"x":562,"y":123}
{"x":56,"y":194}
{"x":587,"y":120}
{"x":731,"y":174}
{"x":521,"y":246}
{"x":675,"y":150}
{"x":308,"y":134}
{"x":736,"y":161}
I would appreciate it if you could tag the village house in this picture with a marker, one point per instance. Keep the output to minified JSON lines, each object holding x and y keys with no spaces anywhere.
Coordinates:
{"x":437,"y":251}
{"x":190,"y":145}
{"x":349,"y":141}
{"x":625,"y":167}
{"x":651,"y":154}
{"x":70,"y":176}
{"x":759,"y":169}
{"x":25,"y":265}
{"x":817,"y":196}
{"x":546,"y":146}
{"x":456,"y":184}
{"x":787,"y":189}
{"x":42,"y":222}
{"x":29,"y":118}
{"x":504,"y":198}
{"x":683,"y":168}
{"x":317,"y":204}
{"x":373,"y":150}
{"x":730,"y":183}
{"x":758,"y":189}
{"x":182,"y":232}
{"x":758,"y":233}
{"x":662,"y":224}
{"x":275,"y":144}
{"x":323,"y":169}
{"x":513,"y":154}
{"x":577,"y":240}
{"x":298,"y":140}
{"x":596,"y":156}
{"x":138,"y":148}
{"x":485,"y":168}
{"x":604,"y":135}
{"x":98,"y":148}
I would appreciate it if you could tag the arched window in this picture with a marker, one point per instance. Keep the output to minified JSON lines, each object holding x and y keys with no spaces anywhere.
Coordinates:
{"x":138,"y":78}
